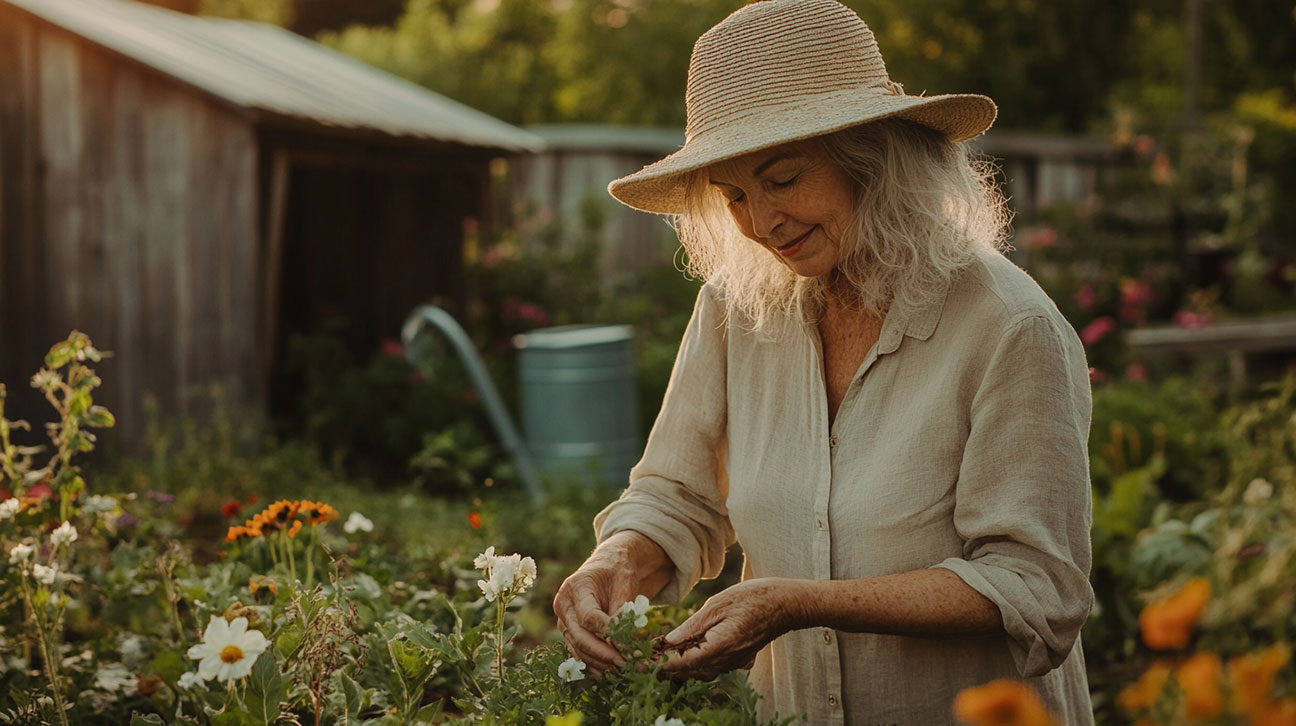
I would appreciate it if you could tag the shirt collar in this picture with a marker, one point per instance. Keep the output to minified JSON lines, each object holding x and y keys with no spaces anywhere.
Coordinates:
{"x":918,"y":323}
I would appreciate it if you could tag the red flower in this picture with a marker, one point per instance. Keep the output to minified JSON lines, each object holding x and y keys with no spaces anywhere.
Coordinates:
{"x":1086,"y":296}
{"x":474,"y":519}
{"x":231,"y":508}
{"x":251,"y":499}
{"x":1136,"y":372}
{"x":393,"y":348}
{"x":1192,"y":321}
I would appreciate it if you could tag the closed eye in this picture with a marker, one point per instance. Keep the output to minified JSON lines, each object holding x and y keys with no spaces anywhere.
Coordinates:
{"x":784,"y":184}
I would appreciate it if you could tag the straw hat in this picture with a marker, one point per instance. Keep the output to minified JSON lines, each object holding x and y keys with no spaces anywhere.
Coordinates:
{"x":784,"y":70}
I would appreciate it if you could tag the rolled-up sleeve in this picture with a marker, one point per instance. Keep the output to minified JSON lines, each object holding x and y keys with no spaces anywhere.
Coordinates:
{"x":1023,"y":504}
{"x":676,"y":495}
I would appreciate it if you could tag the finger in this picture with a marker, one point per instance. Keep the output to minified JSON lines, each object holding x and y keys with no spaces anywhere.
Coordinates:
{"x":694,"y":627}
{"x":593,"y":650}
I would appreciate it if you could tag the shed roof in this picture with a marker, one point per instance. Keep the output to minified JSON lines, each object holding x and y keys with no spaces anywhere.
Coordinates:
{"x":268,"y":70}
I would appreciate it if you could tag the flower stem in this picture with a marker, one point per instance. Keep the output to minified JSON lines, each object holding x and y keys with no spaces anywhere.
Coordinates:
{"x":499,"y":637}
{"x":51,"y":666}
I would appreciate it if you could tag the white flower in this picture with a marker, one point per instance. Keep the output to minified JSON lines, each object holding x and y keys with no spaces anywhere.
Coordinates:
{"x":9,"y":507}
{"x":638,"y":606}
{"x":485,"y":559}
{"x":571,"y":670}
{"x":65,"y":534}
{"x":44,"y":575}
{"x":190,"y":680}
{"x":1258,"y":492}
{"x":228,"y":650}
{"x":506,"y":575}
{"x":663,"y":721}
{"x":357,"y":522}
{"x":116,"y":678}
{"x":99,"y":504}
{"x":20,"y":553}
{"x":131,"y":646}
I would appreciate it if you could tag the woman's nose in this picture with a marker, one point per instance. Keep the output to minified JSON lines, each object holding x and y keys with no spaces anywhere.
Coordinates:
{"x":765,"y":218}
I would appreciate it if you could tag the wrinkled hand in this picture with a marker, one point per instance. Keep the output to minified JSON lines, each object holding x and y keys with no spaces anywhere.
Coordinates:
{"x":591,"y":596}
{"x":730,"y":629}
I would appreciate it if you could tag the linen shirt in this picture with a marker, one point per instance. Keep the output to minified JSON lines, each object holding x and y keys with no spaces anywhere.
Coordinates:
{"x":960,"y":443}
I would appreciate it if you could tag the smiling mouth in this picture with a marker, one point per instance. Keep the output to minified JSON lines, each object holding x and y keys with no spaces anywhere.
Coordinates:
{"x":795,"y":242}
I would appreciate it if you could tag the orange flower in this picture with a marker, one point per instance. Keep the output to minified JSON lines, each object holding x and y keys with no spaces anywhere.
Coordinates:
{"x":231,"y":508}
{"x":257,"y":582}
{"x":1278,"y":714}
{"x":295,"y":528}
{"x":1251,"y":678}
{"x":1145,"y":692}
{"x":318,"y":513}
{"x":1168,"y":624}
{"x":474,"y":520}
{"x":1199,"y":677}
{"x":234,"y":533}
{"x":1001,"y":703}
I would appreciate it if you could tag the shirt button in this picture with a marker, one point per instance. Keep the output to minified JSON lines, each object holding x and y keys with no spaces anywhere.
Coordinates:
{"x":832,"y":442}
{"x":827,"y":635}
{"x":819,"y":523}
{"x":832,"y":700}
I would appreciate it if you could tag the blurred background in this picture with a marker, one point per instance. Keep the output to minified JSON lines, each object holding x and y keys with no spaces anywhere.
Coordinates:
{"x":243,"y":200}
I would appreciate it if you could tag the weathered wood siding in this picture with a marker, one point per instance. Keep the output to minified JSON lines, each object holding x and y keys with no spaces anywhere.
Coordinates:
{"x":128,"y":210}
{"x":571,"y":190}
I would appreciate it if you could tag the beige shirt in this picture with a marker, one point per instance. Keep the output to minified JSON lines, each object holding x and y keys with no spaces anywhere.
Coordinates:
{"x":961,"y":443}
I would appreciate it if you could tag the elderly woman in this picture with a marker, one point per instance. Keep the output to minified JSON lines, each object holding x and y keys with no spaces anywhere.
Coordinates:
{"x":888,"y":415}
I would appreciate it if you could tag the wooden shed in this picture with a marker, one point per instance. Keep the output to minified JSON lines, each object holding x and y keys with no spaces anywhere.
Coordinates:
{"x":191,"y":191}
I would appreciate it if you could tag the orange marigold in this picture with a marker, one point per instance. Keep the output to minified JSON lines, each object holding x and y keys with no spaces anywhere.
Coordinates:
{"x":1146,"y":690}
{"x":235,"y":533}
{"x":1002,"y":703}
{"x":295,"y":528}
{"x":318,"y":512}
{"x":1168,"y":624}
{"x":1278,"y":714}
{"x":1199,"y":677}
{"x":1251,"y":678}
{"x":258,"y":582}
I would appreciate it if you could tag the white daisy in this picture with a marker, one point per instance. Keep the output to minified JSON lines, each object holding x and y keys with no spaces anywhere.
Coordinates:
{"x":228,"y":650}
{"x":571,"y":669}
{"x":190,"y":680}
{"x":117,"y":679}
{"x":9,"y":507}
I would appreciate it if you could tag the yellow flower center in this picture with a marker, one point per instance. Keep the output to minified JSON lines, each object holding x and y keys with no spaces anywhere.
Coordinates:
{"x":231,"y":654}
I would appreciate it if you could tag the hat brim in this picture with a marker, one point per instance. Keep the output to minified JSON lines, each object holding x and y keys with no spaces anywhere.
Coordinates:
{"x":659,"y":187}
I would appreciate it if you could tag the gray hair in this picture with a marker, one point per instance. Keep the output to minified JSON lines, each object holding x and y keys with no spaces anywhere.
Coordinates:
{"x":925,"y":207}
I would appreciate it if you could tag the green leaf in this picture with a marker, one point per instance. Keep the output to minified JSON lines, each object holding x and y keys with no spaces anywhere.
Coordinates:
{"x":414,"y":663}
{"x":365,"y":587}
{"x":265,"y":690}
{"x":352,"y":696}
{"x":58,"y":356}
{"x":79,"y":403}
{"x":168,"y":665}
{"x":140,"y":719}
{"x":100,"y":418}
{"x":289,"y":639}
{"x":430,"y":712}
{"x":232,"y":718}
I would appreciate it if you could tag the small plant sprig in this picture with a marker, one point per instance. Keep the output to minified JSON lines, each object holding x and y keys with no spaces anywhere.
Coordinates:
{"x":507,"y":576}
{"x":68,"y":383}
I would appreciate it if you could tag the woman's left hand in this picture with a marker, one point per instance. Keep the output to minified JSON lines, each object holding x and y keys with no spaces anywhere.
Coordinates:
{"x":731,"y":627}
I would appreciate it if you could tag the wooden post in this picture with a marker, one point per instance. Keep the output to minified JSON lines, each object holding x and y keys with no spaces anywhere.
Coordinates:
{"x":280,"y":172}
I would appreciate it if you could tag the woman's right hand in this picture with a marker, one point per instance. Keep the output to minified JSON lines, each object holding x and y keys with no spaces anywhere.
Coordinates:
{"x":623,"y":566}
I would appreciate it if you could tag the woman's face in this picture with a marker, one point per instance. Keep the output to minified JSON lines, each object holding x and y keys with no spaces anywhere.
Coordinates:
{"x":791,"y":200}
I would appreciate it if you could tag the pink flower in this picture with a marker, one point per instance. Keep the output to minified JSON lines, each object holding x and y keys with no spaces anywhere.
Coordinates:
{"x":1144,"y":145}
{"x":1086,"y":296}
{"x":393,"y":347}
{"x":1041,"y":238}
{"x":1096,"y":330}
{"x":1136,"y":372}
{"x":1192,"y":321}
{"x":1096,"y":376}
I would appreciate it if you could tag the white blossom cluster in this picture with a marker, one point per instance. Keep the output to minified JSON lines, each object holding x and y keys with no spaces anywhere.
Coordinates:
{"x":639,"y":608}
{"x":506,"y":575}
